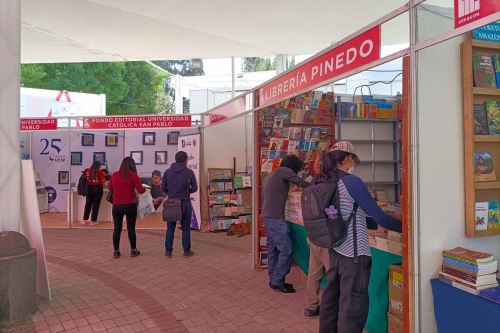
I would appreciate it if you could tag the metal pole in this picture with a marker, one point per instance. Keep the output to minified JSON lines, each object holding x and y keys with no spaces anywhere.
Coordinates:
{"x":232,"y":77}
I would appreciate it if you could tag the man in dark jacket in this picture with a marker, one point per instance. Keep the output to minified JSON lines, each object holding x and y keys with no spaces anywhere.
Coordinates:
{"x":279,"y":244}
{"x":178,"y":183}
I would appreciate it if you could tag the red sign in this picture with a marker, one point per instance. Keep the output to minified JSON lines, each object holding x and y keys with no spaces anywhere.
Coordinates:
{"x":354,"y":53}
{"x":124,"y":122}
{"x":227,"y":110}
{"x":467,"y":11}
{"x":38,"y":124}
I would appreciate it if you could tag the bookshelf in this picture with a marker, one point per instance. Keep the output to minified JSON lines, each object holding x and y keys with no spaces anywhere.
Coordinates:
{"x":474,"y":96}
{"x":230,"y":198}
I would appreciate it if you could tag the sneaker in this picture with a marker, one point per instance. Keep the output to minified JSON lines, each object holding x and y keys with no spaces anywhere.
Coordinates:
{"x":188,"y":254}
{"x":286,"y":289}
{"x":311,"y":313}
{"x":94,"y":223}
{"x":116,"y":254}
{"x":135,"y":253}
{"x":288,"y":285}
{"x":83,"y":222}
{"x":168,"y":254}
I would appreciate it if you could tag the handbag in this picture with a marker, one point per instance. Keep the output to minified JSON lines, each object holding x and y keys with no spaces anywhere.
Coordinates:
{"x":172,"y":210}
{"x":109,"y":197}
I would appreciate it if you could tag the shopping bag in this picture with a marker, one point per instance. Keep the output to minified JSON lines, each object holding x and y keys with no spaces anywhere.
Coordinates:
{"x":145,"y":206}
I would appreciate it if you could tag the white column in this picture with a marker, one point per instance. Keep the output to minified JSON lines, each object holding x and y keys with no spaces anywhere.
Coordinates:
{"x":178,"y":94}
{"x":280,"y":63}
{"x":232,"y":77}
{"x":10,"y":160}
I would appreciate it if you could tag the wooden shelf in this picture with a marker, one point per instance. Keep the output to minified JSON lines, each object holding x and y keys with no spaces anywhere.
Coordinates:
{"x":484,"y":233}
{"x":486,"y":91}
{"x":306,"y":125}
{"x":373,"y":141}
{"x":370,"y":119}
{"x":487,"y":138}
{"x":485,"y":45}
{"x":486,"y":185}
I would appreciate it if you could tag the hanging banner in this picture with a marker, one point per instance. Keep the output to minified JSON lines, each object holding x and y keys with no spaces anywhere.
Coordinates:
{"x":489,"y":32}
{"x":227,"y":110}
{"x":38,"y":124}
{"x":468,"y":11}
{"x":350,"y":55}
{"x":191,"y":145}
{"x":123,"y":122}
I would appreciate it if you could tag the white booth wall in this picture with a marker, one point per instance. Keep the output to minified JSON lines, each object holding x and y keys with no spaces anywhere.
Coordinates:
{"x":441,"y":167}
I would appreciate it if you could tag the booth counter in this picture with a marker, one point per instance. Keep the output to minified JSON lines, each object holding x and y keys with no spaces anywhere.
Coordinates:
{"x":77,"y":205}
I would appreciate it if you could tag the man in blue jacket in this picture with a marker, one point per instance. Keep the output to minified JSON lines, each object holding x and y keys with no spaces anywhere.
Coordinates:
{"x":178,"y":183}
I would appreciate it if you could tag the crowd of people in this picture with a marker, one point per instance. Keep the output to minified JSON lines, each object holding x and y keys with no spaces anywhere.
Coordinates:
{"x":174,"y":188}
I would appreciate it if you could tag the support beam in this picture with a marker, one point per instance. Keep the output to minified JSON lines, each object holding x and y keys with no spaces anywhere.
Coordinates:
{"x":232,"y":77}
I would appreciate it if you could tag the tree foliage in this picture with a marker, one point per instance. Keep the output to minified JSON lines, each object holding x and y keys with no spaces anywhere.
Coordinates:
{"x":130,"y":87}
{"x":181,"y":67}
{"x":256,"y":64}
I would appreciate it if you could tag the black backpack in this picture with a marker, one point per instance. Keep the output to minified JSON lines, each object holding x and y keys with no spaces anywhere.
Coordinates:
{"x":321,"y":230}
{"x":83,"y":185}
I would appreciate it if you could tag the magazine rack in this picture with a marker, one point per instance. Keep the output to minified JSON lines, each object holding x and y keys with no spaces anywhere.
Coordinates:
{"x":478,"y":191}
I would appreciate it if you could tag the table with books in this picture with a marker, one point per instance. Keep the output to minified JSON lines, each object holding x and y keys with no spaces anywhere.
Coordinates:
{"x":466,"y":294}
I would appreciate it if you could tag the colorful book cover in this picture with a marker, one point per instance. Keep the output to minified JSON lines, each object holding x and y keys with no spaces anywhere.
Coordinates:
{"x":293,"y":147}
{"x":493,"y":215}
{"x":264,"y":153}
{"x":276,"y":143}
{"x":278,"y":132}
{"x":496,"y":63}
{"x":483,"y":167}
{"x":284,"y":145}
{"x":493,"y":111}
{"x":272,"y":154}
{"x":480,"y":120}
{"x":264,"y":143}
{"x":484,"y":73}
{"x":307,"y":133}
{"x":304,"y":145}
{"x":296,"y":133}
{"x":315,"y":132}
{"x":266,"y":166}
{"x":472,"y":256}
{"x":268,"y":121}
{"x":278,"y":122}
{"x":276,"y":164}
{"x":481,"y":215}
{"x":266,"y":132}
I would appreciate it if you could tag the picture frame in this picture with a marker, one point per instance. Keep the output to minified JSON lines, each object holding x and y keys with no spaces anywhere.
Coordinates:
{"x":100,"y":156}
{"x":63,"y":177}
{"x":161,"y":157}
{"x":148,"y":138}
{"x":111,"y":140}
{"x":173,"y":137}
{"x":87,"y":139}
{"x":137,"y":156}
{"x":76,"y":158}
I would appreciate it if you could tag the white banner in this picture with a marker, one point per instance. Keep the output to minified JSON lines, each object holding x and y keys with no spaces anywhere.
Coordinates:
{"x":191,"y":145}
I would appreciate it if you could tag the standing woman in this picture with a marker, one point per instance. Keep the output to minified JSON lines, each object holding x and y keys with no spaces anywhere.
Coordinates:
{"x":123,"y":185}
{"x":344,"y":304}
{"x":95,"y":178}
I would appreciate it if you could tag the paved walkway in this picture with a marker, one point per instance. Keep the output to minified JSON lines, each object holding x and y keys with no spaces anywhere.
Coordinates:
{"x":215,"y":291}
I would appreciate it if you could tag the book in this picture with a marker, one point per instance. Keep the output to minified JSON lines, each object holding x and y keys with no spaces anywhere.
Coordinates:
{"x":268,"y":121}
{"x":496,"y":64}
{"x":481,"y":209}
{"x":483,"y":279}
{"x":480,"y":120}
{"x":484,"y":73}
{"x":492,"y":294}
{"x":470,"y":255}
{"x":483,"y":167}
{"x":464,"y":287}
{"x":266,"y":132}
{"x":493,"y":111}
{"x":465,"y":270}
{"x":293,"y":147}
{"x":278,"y":121}
{"x":279,"y":132}
{"x":466,"y":282}
{"x":493,"y":215}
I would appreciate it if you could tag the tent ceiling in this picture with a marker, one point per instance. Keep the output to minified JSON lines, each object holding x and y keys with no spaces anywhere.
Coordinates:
{"x":111,"y":30}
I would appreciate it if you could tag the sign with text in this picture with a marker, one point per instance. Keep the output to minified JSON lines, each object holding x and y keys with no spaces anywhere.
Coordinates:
{"x":489,"y":32}
{"x":227,"y":110}
{"x":467,"y":11}
{"x":38,"y":124}
{"x":124,"y":122}
{"x":359,"y":51}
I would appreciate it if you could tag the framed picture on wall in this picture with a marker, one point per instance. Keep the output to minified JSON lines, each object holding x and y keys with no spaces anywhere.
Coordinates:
{"x":100,"y":156}
{"x":173,"y":137}
{"x":76,"y":158}
{"x":111,"y":140}
{"x":63,"y":177}
{"x":161,"y":157}
{"x":148,"y":138}
{"x":87,"y":139}
{"x":136,"y":156}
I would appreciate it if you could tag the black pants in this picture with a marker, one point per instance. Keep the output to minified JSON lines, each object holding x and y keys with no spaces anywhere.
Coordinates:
{"x":119,"y":211}
{"x":344,"y":304}
{"x":92,"y":202}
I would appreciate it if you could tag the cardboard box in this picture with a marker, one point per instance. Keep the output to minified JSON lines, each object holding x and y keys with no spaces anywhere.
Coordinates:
{"x":396,"y":324}
{"x":396,"y":290}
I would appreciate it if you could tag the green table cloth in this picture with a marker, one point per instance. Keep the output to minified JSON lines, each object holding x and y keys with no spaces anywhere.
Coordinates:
{"x":378,"y":289}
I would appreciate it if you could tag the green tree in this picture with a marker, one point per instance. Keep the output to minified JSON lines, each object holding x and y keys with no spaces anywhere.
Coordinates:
{"x":181,"y":67}
{"x":256,"y":64}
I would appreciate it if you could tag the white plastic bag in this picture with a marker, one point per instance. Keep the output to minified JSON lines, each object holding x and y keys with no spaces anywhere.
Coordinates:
{"x":145,"y":207}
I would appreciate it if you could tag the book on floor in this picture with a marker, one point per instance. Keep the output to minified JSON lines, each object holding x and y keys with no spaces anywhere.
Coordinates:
{"x":483,"y":167}
{"x":493,"y":111}
{"x":480,"y":120}
{"x":484,"y":73}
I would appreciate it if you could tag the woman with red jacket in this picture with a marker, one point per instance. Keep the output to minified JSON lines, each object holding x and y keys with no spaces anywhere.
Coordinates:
{"x":123,"y":184}
{"x":95,"y":179}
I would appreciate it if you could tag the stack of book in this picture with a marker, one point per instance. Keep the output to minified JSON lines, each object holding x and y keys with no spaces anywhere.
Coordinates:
{"x":389,"y":241}
{"x":469,"y":270}
{"x":293,"y":208}
{"x":394,"y":242}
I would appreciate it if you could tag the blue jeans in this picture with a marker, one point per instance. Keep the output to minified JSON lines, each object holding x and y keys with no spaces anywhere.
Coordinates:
{"x":279,"y":250}
{"x":187,"y":210}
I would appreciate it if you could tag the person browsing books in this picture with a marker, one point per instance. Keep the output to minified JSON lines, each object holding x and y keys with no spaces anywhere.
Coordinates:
{"x":344,"y":304}
{"x":279,"y":244}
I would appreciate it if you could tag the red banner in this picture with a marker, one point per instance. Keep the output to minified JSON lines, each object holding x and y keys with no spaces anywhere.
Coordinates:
{"x":354,"y":53}
{"x":124,"y":122}
{"x":467,"y":11}
{"x":38,"y":124}
{"x":227,"y":110}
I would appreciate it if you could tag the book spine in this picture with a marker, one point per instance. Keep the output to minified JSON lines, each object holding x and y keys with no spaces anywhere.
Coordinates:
{"x":496,"y":64}
{"x":461,"y":264}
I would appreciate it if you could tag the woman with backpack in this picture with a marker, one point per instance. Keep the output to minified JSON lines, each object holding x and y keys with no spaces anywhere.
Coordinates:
{"x":95,"y":180}
{"x":344,"y":304}
{"x":123,"y":185}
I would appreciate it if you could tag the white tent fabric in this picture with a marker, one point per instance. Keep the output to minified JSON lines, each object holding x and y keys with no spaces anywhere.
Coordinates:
{"x":114,"y":30}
